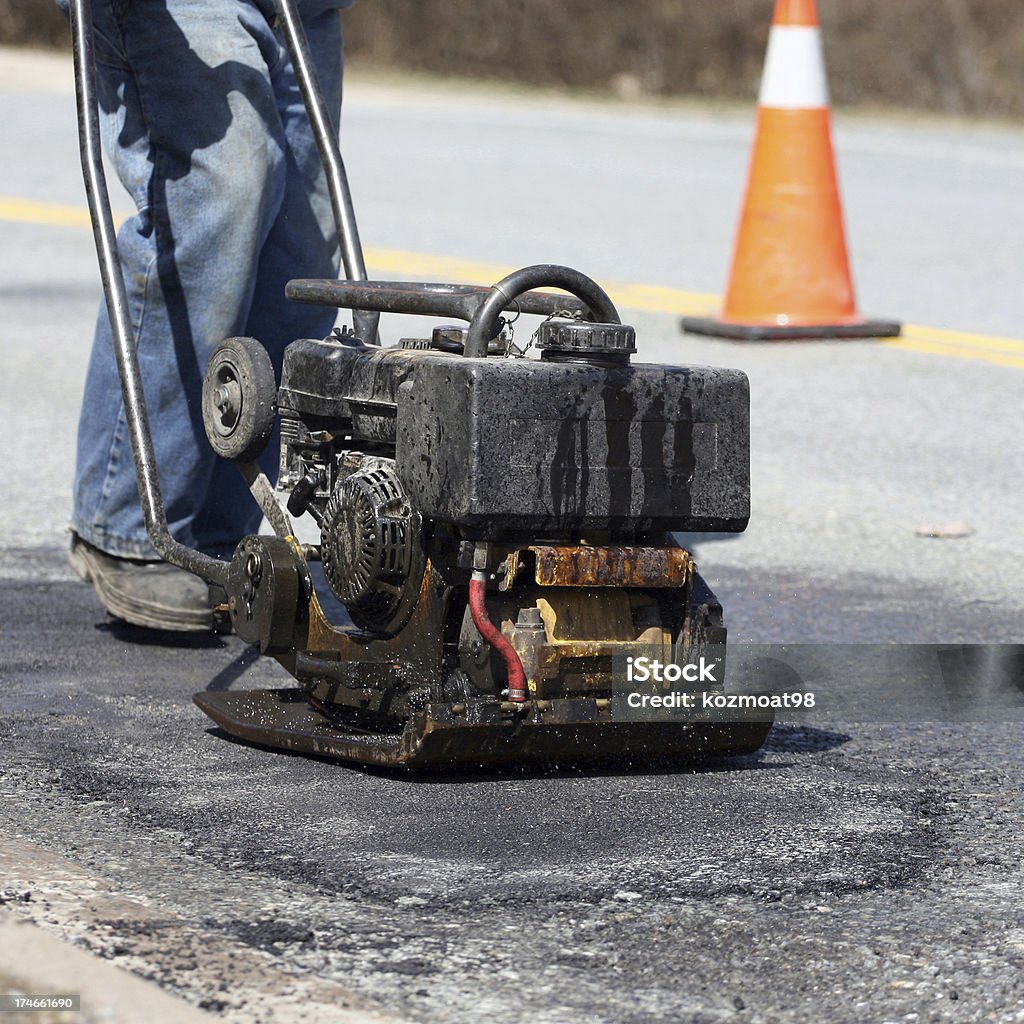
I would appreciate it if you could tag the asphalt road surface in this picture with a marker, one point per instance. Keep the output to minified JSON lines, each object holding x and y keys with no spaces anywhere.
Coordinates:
{"x":851,"y":872}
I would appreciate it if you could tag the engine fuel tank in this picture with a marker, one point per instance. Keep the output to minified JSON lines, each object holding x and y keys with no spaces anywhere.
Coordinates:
{"x":493,"y":444}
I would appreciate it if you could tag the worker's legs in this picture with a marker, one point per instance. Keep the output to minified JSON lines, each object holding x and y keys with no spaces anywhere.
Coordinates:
{"x":301,"y":242}
{"x":192,"y":93}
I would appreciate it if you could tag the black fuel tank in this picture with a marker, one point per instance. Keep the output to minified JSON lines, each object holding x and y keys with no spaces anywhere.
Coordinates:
{"x":498,"y":444}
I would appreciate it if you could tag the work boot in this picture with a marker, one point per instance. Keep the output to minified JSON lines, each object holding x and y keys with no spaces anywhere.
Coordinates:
{"x":156,"y":595}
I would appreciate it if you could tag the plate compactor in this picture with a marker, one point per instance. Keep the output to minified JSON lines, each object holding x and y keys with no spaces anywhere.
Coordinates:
{"x":496,"y":523}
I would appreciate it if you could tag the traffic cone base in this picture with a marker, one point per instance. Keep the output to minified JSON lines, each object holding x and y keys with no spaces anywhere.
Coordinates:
{"x":715,"y":327}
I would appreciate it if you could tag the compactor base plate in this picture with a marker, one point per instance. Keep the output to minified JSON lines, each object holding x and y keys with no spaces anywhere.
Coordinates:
{"x":443,"y":736}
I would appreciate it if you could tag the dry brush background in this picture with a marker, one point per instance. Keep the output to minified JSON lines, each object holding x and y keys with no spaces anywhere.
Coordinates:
{"x":957,"y":56}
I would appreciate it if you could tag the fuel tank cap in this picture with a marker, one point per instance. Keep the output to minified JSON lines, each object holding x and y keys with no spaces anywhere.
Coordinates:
{"x":581,"y":341}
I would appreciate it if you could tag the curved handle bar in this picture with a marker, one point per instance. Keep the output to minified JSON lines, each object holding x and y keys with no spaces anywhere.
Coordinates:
{"x":485,"y":325}
{"x":460,"y":301}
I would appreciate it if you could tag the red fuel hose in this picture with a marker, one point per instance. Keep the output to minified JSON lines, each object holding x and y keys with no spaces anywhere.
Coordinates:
{"x":494,"y":636}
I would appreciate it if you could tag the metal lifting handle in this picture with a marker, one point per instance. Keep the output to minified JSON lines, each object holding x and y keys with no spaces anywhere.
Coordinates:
{"x":210,"y":569}
{"x":422,"y":298}
{"x":365,"y":323}
{"x":485,"y":325}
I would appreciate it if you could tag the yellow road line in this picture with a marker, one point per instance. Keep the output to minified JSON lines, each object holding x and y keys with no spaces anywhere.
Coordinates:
{"x":918,"y":340}
{"x":646,"y":298}
{"x":29,"y":212}
{"x":961,"y":338}
{"x":674,"y":301}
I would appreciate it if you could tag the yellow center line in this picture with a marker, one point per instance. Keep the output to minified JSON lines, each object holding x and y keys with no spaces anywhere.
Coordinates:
{"x":30,"y":212}
{"x":970,"y":346}
{"x":647,"y":298}
{"x":946,"y":337}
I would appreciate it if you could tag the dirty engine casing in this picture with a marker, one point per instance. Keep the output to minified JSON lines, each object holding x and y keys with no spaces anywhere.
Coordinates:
{"x":528,"y":448}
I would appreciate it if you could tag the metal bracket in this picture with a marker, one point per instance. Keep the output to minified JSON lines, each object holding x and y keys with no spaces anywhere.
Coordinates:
{"x":263,"y":491}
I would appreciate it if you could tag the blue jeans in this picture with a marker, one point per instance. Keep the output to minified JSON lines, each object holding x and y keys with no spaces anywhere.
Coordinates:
{"x":203,"y":120}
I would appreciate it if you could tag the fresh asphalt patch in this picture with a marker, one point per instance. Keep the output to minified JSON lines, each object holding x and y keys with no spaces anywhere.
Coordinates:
{"x":873,"y":870}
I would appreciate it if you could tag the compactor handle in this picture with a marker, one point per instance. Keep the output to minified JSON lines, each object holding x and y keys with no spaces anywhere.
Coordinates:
{"x":116,"y":296}
{"x":486,"y":323}
{"x":462,"y":301}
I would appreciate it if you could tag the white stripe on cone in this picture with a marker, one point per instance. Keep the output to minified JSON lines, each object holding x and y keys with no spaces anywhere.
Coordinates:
{"x":794,"y":69}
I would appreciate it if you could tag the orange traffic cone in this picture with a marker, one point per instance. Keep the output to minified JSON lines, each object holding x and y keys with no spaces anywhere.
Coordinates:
{"x":790,"y":276}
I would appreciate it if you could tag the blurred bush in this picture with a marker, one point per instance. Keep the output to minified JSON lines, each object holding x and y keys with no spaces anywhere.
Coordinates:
{"x":32,"y":22}
{"x":961,"y":56}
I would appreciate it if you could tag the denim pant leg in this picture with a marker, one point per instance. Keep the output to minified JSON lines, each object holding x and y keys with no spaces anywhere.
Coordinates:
{"x":302,"y":242}
{"x":192,"y":93}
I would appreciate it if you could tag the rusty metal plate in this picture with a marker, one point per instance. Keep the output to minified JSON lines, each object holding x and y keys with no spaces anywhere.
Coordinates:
{"x":585,"y":566}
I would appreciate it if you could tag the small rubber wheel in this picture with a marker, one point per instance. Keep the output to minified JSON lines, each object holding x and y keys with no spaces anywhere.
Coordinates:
{"x":239,"y":399}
